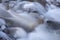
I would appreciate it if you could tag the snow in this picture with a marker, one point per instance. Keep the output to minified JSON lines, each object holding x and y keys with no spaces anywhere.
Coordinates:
{"x":19,"y":5}
{"x":4,"y":13}
{"x":2,"y":24}
{"x":4,"y":36}
{"x":20,"y":33}
{"x":43,"y":33}
{"x":26,"y":6}
{"x":53,"y":14}
{"x":25,"y":17}
{"x":34,"y":7}
{"x":2,"y":6}
{"x":19,"y":19}
{"x":58,"y":0}
{"x":12,"y":4}
{"x":22,"y":39}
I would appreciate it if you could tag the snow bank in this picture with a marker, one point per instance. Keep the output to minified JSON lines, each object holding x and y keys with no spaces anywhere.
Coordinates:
{"x":53,"y":14}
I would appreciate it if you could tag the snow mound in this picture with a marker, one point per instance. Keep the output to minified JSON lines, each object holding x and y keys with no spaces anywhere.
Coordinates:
{"x":53,"y":15}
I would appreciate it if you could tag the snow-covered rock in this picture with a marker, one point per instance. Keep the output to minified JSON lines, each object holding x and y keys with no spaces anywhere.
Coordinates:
{"x":51,"y":6}
{"x":16,"y":32}
{"x":22,"y":39}
{"x":18,"y":1}
{"x":58,"y":0}
{"x":54,"y":3}
{"x":26,"y":6}
{"x":20,"y":33}
{"x":4,"y":36}
{"x":19,"y":5}
{"x":2,"y":24}
{"x":53,"y":17}
{"x":43,"y":33}
{"x":12,"y":4}
{"x":3,"y":13}
{"x":2,"y":6}
{"x":42,"y":36}
{"x":22,"y":20}
{"x":53,"y":14}
{"x":34,"y":6}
